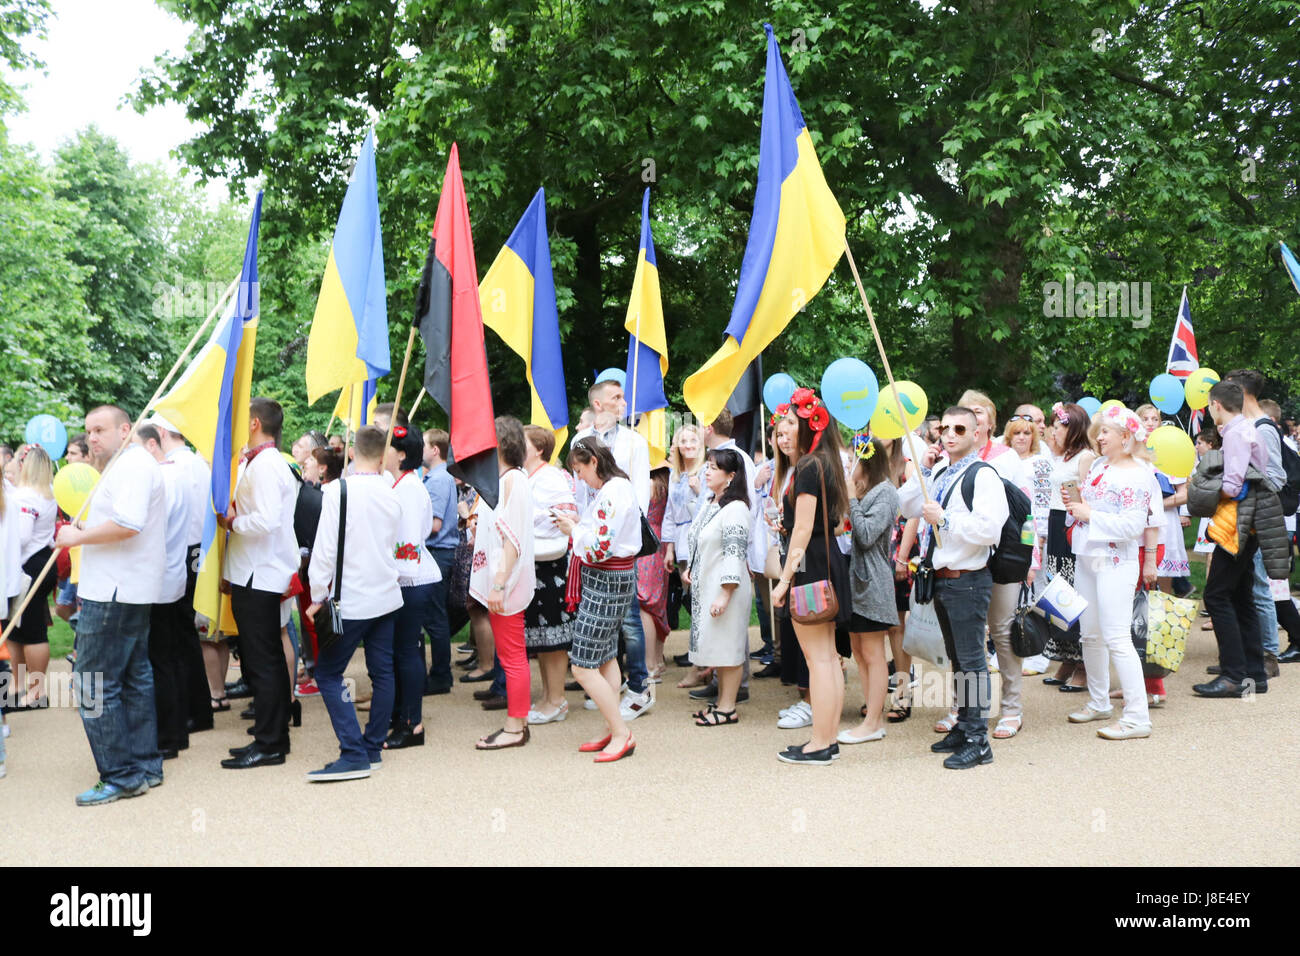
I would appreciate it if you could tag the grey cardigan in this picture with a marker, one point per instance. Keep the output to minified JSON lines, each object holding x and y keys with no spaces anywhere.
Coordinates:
{"x":872,"y":575}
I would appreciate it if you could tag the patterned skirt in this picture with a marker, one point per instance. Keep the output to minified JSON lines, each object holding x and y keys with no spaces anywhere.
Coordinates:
{"x":607,"y":595}
{"x":1061,"y":645}
{"x":547,"y":620}
{"x":652,"y":589}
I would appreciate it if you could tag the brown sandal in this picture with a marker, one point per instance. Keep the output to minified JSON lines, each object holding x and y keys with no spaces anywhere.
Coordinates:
{"x":490,"y":741}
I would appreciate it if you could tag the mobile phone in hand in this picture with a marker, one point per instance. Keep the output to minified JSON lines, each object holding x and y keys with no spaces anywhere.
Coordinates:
{"x":1070,"y":489}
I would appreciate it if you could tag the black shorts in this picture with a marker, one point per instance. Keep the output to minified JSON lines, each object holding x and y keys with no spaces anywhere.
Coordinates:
{"x":861,"y":625}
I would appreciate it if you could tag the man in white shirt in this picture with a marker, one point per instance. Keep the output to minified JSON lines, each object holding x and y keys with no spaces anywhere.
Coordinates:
{"x":261,"y":558}
{"x":122,"y":563}
{"x":369,"y":598}
{"x":193,"y":473}
{"x":963,"y":584}
{"x":166,"y":620}
{"x":632,"y":454}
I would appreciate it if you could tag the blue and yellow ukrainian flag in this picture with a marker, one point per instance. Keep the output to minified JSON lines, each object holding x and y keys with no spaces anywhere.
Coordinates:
{"x":363,"y":397}
{"x":349,"y":332}
{"x":796,"y":237}
{"x":209,"y":405}
{"x":517,"y":297}
{"x":647,"y":348}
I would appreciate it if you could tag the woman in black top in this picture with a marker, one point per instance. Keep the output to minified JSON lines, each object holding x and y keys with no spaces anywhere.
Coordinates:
{"x":814,"y":502}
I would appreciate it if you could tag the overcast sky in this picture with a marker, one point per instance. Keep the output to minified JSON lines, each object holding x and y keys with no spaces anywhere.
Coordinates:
{"x":93,"y":57}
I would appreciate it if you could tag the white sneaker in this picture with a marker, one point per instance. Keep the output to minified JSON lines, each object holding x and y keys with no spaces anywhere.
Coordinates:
{"x":634,"y":705}
{"x":800,"y":715}
{"x":1124,"y":731}
{"x":4,"y":729}
{"x":786,"y":710}
{"x":589,"y":704}
{"x":536,"y":716}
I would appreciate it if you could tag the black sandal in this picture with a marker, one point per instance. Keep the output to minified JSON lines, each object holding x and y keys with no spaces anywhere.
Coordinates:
{"x":219,"y":704}
{"x":898,"y":713}
{"x":720,"y":717}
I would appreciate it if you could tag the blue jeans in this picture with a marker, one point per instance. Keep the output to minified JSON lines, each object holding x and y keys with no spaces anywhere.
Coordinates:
{"x":119,"y":717}
{"x":1265,"y":606}
{"x":377,"y":632}
{"x":634,"y":642}
{"x":408,"y":651}
{"x":436,"y":621}
{"x":962,"y":606}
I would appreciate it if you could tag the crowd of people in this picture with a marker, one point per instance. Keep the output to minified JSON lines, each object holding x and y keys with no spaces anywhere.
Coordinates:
{"x":586,"y":562}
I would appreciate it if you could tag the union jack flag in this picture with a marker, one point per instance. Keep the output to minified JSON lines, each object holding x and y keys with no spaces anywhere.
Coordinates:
{"x":1182,"y":360}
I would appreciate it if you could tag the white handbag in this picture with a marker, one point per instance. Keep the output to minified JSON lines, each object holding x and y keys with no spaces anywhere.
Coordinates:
{"x":922,"y":636}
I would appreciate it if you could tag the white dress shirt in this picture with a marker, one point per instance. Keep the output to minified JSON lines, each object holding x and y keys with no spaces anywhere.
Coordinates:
{"x":415,"y":565}
{"x":263,"y":546}
{"x":130,"y":494}
{"x":177,"y":486}
{"x":35,"y":521}
{"x":370,"y":588}
{"x":198,"y":490}
{"x":631,"y":453}
{"x":611,"y":525}
{"x":964,"y":544}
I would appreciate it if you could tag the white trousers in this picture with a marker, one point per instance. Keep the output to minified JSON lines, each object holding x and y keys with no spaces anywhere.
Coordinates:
{"x":1106,"y":631}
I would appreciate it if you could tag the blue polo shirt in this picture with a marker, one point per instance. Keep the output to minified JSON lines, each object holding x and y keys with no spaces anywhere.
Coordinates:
{"x":442,"y":493}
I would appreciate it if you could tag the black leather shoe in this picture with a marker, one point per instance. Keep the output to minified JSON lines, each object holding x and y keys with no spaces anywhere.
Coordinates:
{"x":972,"y":754}
{"x":1222,"y":687}
{"x":1072,"y":688}
{"x":467,"y":678}
{"x":170,"y":754}
{"x":404,"y":737}
{"x":432,"y":687}
{"x":238,"y":689}
{"x":1053,"y":681}
{"x":771,"y":670}
{"x":1290,"y":656}
{"x":248,"y":713}
{"x":238,"y":751}
{"x":253,"y":758}
{"x":953,"y":741}
{"x":682,"y":660}
{"x":1214,"y":669}
{"x":484,"y":694}
{"x":707,"y":692}
{"x":816,"y":758}
{"x":494,"y":703}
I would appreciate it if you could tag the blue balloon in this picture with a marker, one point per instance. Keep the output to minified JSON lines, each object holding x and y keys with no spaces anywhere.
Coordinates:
{"x":777,"y":390}
{"x":1089,"y":405}
{"x":1167,"y":393}
{"x":48,"y":432}
{"x":850,"y":391}
{"x":613,"y":375}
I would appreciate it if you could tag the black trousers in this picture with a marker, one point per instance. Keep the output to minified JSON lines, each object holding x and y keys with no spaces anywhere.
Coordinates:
{"x":171,"y":689}
{"x":261,"y":655}
{"x":1230,"y":599}
{"x":196,"y":674}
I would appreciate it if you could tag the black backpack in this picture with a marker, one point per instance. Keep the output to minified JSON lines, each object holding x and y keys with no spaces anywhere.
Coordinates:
{"x":1009,"y":560}
{"x":1289,"y":494}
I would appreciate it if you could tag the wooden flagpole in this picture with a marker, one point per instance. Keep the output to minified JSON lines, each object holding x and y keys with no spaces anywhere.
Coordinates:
{"x":397,"y":399}
{"x":410,"y":416}
{"x":162,"y":387}
{"x":636,"y":363}
{"x":898,"y":404}
{"x":347,"y":429}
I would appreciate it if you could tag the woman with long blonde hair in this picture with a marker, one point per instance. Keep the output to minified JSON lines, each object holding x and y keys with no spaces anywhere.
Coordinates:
{"x":34,"y":499}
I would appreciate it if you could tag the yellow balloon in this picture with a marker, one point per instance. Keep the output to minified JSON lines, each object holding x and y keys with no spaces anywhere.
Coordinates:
{"x":72,"y":485}
{"x":884,"y":421}
{"x":1109,"y":402}
{"x":1173,"y":450}
{"x":1198,"y":387}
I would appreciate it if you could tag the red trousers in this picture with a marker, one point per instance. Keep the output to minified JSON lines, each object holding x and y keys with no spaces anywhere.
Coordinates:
{"x":508,"y":631}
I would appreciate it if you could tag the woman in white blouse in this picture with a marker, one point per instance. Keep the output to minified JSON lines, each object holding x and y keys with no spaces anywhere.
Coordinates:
{"x":502,"y":579}
{"x":417,"y":574}
{"x":718,"y":577}
{"x":34,"y":498}
{"x":602,"y":586}
{"x":547,"y":620}
{"x":1120,"y":501}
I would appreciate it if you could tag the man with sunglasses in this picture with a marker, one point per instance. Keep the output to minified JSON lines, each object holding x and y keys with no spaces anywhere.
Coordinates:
{"x":956,"y":542}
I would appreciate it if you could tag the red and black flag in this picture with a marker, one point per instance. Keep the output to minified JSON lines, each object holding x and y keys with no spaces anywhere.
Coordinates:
{"x":450,"y":322}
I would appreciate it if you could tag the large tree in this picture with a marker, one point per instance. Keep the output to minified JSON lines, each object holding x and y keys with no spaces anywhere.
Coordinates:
{"x":980,"y":150}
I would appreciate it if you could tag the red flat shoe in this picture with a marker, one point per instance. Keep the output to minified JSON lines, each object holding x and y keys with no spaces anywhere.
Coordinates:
{"x":591,"y":746}
{"x":627,"y":751}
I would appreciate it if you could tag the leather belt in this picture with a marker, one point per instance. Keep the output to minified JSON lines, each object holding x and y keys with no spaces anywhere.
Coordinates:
{"x":950,"y":573}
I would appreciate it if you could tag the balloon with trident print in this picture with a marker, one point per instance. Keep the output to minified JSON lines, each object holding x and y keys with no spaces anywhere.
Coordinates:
{"x":850,"y":391}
